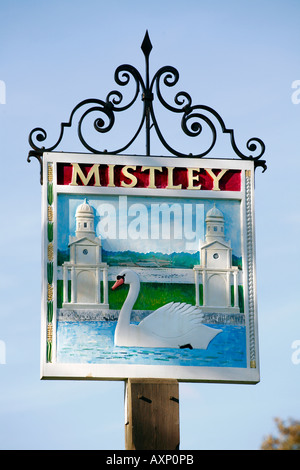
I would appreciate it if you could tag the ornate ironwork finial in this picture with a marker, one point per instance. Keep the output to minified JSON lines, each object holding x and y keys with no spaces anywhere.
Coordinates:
{"x":146,"y":45}
{"x":194,"y":117}
{"x":147,"y":95}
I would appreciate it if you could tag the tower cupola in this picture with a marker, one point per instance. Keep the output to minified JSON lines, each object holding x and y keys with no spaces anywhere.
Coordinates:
{"x":85,"y":221}
{"x":214,"y":225}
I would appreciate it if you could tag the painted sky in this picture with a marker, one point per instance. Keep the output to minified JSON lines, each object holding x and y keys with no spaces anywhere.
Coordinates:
{"x":149,"y":224}
{"x":239,"y":57}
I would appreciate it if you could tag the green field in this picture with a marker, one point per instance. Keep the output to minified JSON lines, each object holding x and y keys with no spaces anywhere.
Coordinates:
{"x":152,"y":295}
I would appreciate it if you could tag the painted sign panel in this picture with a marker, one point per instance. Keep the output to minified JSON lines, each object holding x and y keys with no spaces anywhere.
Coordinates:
{"x":148,"y":268}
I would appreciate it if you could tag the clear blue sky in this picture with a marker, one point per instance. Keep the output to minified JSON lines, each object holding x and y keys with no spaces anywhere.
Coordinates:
{"x":240,"y":58}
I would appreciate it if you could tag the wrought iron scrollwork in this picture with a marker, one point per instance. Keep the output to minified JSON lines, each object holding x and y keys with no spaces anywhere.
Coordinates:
{"x":194,"y":117}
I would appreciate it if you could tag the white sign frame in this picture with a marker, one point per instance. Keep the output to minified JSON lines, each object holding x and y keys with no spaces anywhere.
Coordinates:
{"x":52,"y":191}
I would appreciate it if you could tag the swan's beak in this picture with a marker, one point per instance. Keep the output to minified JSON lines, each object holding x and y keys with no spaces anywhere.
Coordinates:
{"x":118,"y":283}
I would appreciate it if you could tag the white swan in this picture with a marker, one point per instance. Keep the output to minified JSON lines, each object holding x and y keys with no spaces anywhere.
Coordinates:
{"x":175,"y":325}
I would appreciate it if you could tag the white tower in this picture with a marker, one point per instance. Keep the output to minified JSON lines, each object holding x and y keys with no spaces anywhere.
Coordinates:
{"x":218,"y":277}
{"x":85,"y":270}
{"x":85,"y":221}
{"x":214,"y":225}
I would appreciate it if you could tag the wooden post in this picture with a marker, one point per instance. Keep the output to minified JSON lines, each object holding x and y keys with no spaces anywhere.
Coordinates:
{"x":151,"y":414}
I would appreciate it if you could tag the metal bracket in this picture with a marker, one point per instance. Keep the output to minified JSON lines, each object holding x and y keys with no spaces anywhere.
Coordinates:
{"x":194,"y":117}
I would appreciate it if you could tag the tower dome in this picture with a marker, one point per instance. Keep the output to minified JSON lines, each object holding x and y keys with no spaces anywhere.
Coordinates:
{"x":85,"y":220}
{"x":84,"y":208}
{"x":214,"y":225}
{"x":214,"y":214}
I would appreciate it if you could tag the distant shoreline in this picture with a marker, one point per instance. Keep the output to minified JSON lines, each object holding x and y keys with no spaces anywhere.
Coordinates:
{"x":132,"y":259}
{"x":66,"y":315}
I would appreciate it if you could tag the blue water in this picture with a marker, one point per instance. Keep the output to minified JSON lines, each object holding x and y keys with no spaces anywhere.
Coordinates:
{"x":93,"y":342}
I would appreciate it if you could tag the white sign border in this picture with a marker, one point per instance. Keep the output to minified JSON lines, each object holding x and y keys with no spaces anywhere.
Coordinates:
{"x":53,"y":370}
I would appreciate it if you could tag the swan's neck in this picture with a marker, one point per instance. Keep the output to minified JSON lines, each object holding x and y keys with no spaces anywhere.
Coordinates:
{"x":125,"y":313}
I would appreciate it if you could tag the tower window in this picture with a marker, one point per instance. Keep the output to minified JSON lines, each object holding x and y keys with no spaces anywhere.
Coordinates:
{"x":85,"y":225}
{"x":215,"y":229}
